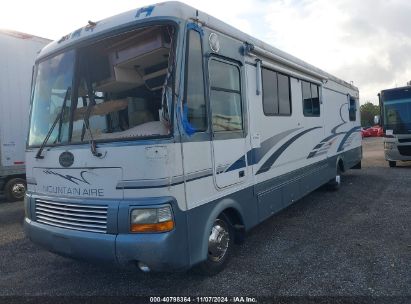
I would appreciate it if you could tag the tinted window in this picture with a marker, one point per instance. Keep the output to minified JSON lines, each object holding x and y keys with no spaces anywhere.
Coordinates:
{"x":225,"y":96}
{"x":224,"y":76}
{"x":196,"y":107}
{"x":315,"y":99}
{"x":270,"y":92}
{"x":307,"y":104}
{"x":284,"y":95}
{"x":311,"y":99}
{"x":352,"y":109}
{"x":226,"y":111}
{"x":276,"y":93}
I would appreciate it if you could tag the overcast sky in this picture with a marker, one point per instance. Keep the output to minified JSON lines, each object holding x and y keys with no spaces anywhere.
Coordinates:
{"x":367,"y":42}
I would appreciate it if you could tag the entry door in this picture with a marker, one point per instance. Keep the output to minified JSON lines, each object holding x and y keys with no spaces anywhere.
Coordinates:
{"x":227,"y":115}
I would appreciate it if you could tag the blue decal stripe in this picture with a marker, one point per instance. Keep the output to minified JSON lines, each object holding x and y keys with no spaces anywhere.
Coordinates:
{"x":147,"y":10}
{"x":353,"y":130}
{"x":312,"y":154}
{"x":334,"y":130}
{"x":319,"y":146}
{"x":347,"y":134}
{"x":256,"y":154}
{"x":238,"y":164}
{"x":331,"y":137}
{"x":272,"y":159}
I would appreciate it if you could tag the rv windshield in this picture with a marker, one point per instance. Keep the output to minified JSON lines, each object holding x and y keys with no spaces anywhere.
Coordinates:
{"x":397,"y":115}
{"x":122,"y":87}
{"x":54,"y":77}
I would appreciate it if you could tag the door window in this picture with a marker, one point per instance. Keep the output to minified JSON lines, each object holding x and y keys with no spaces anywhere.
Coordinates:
{"x":225,"y":96}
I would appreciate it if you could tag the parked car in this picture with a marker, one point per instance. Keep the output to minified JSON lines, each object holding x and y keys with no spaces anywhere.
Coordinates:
{"x":376,"y":131}
{"x":365,"y":132}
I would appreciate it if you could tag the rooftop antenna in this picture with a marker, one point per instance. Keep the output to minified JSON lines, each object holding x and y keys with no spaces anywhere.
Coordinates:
{"x":196,"y":18}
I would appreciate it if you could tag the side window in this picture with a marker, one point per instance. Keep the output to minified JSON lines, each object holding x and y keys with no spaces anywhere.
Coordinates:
{"x":225,"y":96}
{"x":194,"y":95}
{"x":270,"y":92}
{"x":311,"y":99}
{"x":315,"y":98}
{"x":284,"y":97}
{"x":352,"y":110}
{"x":276,"y":93}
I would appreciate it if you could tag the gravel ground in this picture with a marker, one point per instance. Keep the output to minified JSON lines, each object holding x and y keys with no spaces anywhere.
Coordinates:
{"x":354,"y":242}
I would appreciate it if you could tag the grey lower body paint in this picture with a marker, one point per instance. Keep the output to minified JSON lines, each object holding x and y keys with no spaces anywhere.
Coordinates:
{"x":257,"y":203}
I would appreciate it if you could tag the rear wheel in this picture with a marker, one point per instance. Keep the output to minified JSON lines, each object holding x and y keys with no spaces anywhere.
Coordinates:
{"x":392,"y":164}
{"x":220,"y":243}
{"x":15,"y":189}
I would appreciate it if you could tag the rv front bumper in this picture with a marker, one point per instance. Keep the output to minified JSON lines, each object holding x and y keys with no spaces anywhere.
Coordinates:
{"x":394,"y":155}
{"x":159,"y":251}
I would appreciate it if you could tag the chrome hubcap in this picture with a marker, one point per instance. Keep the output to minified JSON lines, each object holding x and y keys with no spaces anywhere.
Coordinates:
{"x":218,"y":241}
{"x":19,"y":190}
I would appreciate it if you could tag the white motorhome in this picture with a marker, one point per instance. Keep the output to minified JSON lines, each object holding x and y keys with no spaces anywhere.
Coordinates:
{"x":160,"y":136}
{"x":18,"y":52}
{"x":395,"y":107}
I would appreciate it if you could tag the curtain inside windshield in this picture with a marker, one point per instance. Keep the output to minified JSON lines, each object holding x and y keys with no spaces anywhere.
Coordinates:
{"x":124,"y":85}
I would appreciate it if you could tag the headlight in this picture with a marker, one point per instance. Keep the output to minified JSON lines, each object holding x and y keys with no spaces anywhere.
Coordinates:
{"x":152,"y":220}
{"x":388,"y":145}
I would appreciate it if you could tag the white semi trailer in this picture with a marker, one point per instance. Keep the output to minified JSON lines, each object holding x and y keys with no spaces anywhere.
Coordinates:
{"x":17,"y":54}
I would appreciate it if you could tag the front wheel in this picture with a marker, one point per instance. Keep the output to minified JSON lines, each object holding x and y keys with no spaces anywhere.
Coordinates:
{"x":15,"y":189}
{"x":220,"y":243}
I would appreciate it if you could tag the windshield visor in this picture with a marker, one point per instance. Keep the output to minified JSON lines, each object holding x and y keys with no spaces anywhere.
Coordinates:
{"x":122,"y":90}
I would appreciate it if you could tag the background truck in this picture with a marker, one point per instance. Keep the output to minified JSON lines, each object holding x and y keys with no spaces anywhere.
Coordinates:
{"x":17,"y":54}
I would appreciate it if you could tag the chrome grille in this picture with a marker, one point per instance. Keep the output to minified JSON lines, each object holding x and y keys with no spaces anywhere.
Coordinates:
{"x":90,"y":218}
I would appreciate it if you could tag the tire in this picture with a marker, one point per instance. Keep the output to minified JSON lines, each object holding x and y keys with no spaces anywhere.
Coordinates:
{"x":392,"y":164}
{"x":357,"y":166}
{"x":220,"y":246}
{"x":15,"y":189}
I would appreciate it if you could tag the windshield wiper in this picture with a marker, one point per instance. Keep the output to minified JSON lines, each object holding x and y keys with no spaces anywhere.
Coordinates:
{"x":86,"y":120}
{"x":58,"y":117}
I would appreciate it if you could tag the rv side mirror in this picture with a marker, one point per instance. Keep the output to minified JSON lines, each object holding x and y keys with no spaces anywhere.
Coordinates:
{"x":377,"y":119}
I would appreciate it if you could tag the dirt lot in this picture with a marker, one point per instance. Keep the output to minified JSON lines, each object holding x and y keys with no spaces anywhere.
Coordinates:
{"x":354,"y":242}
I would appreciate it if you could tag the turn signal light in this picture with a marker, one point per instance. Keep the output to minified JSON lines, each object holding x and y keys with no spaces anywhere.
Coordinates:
{"x":151,"y":219}
{"x":157,"y":227}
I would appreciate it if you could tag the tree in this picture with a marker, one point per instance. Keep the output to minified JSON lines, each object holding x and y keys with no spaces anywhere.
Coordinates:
{"x":368,"y":111}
